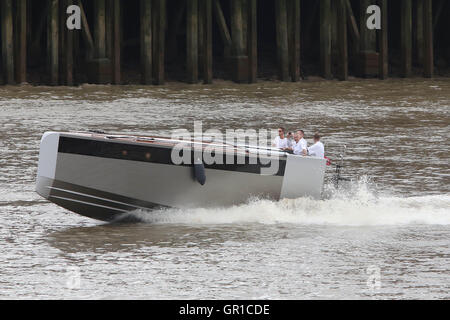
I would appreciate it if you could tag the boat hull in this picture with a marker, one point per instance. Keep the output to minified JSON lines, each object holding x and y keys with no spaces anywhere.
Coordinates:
{"x":105,"y":179}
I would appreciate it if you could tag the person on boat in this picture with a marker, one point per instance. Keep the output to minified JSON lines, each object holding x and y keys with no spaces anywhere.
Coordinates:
{"x":281,"y":141}
{"x":301,"y":146}
{"x":317,"y":149}
{"x":291,"y":140}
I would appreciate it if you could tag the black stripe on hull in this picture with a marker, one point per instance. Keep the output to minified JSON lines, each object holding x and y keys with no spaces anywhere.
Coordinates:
{"x":153,"y":154}
{"x":94,"y":203}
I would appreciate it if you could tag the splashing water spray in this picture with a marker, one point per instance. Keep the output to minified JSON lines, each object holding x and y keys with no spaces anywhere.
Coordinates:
{"x":337,"y":175}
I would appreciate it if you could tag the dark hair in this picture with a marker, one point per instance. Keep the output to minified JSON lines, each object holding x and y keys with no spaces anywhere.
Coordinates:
{"x":282,"y":129}
{"x":317,"y":136}
{"x":303,"y":132}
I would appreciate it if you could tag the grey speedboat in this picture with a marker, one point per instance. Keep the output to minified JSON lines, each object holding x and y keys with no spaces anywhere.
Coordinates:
{"x":104,"y":176}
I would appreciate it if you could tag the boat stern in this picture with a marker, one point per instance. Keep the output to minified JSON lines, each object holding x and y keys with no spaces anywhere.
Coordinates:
{"x":303,"y":177}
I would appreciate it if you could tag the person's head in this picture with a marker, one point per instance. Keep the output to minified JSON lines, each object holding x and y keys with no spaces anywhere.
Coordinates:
{"x":289,"y":135}
{"x":281,"y":132}
{"x":297,"y":137}
{"x":316,"y":137}
{"x":301,"y":134}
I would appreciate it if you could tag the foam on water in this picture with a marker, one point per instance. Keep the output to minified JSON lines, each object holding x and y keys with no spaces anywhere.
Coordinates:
{"x":359,"y":206}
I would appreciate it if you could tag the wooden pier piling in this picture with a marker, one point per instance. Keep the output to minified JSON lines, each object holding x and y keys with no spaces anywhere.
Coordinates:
{"x":62,"y":42}
{"x":239,"y":59}
{"x":100,"y":29}
{"x":158,"y":28}
{"x":192,"y":41}
{"x":69,"y":79}
{"x":86,"y":33}
{"x":110,"y":34}
{"x":146,"y":41}
{"x":367,"y":36}
{"x":201,"y":49}
{"x":237,"y":40}
{"x":109,"y":27}
{"x":282,"y":39}
{"x":116,"y":54}
{"x":325,"y":39}
{"x":100,"y":66}
{"x":53,"y":41}
{"x":418,"y":32}
{"x":21,"y":41}
{"x":7,"y":41}
{"x":383,"y":63}
{"x":428,"y":64}
{"x":294,"y":38}
{"x":252,"y":38}
{"x":342,"y":40}
{"x":406,"y":39}
{"x":67,"y":47}
{"x":207,"y":53}
{"x":334,"y":37}
{"x":367,"y":63}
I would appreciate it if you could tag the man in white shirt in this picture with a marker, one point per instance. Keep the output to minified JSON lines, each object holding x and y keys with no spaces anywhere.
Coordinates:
{"x":302,"y":145}
{"x":281,"y":141}
{"x":299,"y":147}
{"x":317,"y":149}
{"x":291,"y":140}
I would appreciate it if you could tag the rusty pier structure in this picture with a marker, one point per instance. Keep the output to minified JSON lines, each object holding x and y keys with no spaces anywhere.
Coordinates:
{"x":197,"y":41}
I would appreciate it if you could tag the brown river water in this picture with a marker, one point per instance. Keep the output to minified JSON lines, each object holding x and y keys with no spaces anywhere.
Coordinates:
{"x":386,"y":236}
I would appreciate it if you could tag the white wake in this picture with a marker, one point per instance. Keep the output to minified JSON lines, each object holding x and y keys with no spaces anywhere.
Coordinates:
{"x":357,"y":207}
